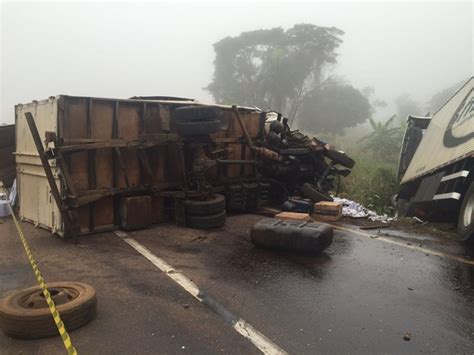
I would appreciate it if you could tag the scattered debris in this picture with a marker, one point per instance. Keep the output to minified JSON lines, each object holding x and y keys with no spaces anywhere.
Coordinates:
{"x":416,"y":219}
{"x":199,"y":238}
{"x":375,"y":226}
{"x":356,"y":210}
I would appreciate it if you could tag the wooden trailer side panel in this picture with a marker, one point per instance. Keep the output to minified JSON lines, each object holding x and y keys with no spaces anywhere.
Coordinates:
{"x":88,"y":120}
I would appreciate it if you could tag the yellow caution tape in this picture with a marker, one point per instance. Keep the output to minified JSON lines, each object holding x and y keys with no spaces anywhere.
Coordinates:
{"x":52,"y":307}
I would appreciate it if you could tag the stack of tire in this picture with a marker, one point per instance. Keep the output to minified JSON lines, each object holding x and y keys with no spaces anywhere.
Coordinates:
{"x":196,"y":120}
{"x":205,"y":214}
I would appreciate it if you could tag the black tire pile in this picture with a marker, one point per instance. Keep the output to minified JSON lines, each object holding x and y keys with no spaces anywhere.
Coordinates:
{"x":205,"y":214}
{"x":196,"y":120}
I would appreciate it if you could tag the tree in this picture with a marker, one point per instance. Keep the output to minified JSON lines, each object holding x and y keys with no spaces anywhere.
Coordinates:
{"x":273,"y":68}
{"x":334,"y":107}
{"x":384,"y":141}
{"x":406,"y":106}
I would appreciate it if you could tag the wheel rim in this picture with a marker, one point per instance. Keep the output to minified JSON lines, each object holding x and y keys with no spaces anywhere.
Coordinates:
{"x":60,"y":295}
{"x":468,"y":211}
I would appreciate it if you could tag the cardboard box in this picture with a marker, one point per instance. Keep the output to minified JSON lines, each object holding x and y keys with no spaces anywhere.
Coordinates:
{"x":327,"y":211}
{"x":294,"y":216}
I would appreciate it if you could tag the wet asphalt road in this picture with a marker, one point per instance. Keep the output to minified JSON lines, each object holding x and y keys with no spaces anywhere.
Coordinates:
{"x":360,"y":296}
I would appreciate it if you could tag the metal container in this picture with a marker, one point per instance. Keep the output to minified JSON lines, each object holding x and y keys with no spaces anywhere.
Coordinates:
{"x":302,"y":237}
{"x":7,"y":159}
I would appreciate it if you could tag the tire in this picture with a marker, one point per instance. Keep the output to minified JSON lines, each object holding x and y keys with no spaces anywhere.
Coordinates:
{"x":17,"y":320}
{"x":466,"y":216}
{"x":212,"y":206}
{"x":206,"y":222}
{"x":198,"y":128}
{"x":194,"y":113}
{"x":340,"y":158}
{"x":309,"y":191}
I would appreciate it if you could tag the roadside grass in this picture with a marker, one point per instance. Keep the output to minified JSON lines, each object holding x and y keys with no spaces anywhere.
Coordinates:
{"x":373,"y":182}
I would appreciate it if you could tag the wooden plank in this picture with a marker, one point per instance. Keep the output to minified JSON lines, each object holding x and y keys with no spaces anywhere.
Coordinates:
{"x":293,"y":216}
{"x":121,"y":162}
{"x":143,"y":156}
{"x":102,"y":117}
{"x":65,"y":173}
{"x":91,"y":166}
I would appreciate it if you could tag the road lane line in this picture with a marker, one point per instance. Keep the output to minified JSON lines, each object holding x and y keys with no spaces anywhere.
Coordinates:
{"x":413,"y":247}
{"x":261,"y":342}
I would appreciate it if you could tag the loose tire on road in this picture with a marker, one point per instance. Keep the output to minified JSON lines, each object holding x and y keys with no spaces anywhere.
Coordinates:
{"x":25,"y":314}
{"x":195,"y":113}
{"x":310,"y":192}
{"x":198,"y":128}
{"x":206,"y":222}
{"x":466,"y":216}
{"x":214,"y":205}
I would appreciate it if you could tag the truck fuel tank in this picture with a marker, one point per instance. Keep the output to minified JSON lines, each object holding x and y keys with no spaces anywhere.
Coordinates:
{"x":303,"y":237}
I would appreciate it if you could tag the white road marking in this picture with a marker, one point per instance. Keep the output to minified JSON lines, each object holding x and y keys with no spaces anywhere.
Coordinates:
{"x":261,"y":342}
{"x":413,"y":247}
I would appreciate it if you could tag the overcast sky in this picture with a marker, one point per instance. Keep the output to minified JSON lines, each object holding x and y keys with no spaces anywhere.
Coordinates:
{"x":121,"y":50}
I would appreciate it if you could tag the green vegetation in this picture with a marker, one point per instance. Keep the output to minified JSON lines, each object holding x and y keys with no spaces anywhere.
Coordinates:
{"x":373,"y":181}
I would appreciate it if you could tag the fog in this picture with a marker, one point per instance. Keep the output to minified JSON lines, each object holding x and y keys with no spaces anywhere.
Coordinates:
{"x":126,"y":49}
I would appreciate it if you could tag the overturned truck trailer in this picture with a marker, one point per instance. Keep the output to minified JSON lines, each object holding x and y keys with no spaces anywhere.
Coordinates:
{"x":437,"y":164}
{"x":79,"y":158}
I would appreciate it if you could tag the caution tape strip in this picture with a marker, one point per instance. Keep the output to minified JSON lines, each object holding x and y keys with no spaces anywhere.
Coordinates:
{"x":52,"y":307}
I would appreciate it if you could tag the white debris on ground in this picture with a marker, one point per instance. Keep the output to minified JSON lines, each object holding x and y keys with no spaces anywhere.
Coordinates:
{"x":356,"y":210}
{"x":7,"y":199}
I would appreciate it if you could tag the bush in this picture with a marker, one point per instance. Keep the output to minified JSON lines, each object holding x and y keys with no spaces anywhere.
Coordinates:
{"x":371,"y":183}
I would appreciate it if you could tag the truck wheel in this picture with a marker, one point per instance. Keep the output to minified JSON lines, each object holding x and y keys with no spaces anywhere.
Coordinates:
{"x":198,"y":128}
{"x":466,"y":216}
{"x":194,"y":113}
{"x":310,"y":192}
{"x":340,"y":158}
{"x":25,"y":314}
{"x":204,"y":208}
{"x":206,"y":222}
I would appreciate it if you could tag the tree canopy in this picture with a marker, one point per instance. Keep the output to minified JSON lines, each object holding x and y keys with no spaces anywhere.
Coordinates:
{"x":334,"y":107}
{"x":288,"y":71}
{"x":273,"y":68}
